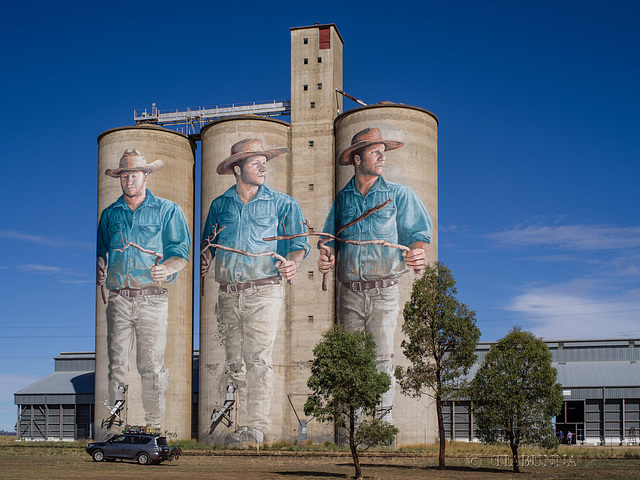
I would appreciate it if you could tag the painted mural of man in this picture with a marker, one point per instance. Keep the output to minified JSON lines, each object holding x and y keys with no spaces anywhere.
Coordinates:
{"x":138,"y":306}
{"x":368,"y":274}
{"x":251,"y":289}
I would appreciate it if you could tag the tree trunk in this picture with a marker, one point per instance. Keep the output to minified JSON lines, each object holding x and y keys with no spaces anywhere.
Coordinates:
{"x":514,"y":454}
{"x":352,"y":444}
{"x":443,"y":440}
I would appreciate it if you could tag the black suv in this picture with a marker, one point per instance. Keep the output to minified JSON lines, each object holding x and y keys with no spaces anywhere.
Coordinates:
{"x":143,"y":447}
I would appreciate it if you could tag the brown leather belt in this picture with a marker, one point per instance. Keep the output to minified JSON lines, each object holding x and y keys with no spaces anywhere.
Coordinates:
{"x":384,"y":282}
{"x":136,"y":292}
{"x":238,"y":287}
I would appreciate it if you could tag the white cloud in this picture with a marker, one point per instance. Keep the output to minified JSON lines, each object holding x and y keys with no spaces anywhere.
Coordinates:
{"x":47,"y":240}
{"x":63,"y":275}
{"x":575,"y":237}
{"x":577,"y":309}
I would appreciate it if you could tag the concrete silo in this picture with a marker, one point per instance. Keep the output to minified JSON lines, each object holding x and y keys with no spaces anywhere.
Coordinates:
{"x":386,"y":152}
{"x":244,"y":344}
{"x":144,"y":309}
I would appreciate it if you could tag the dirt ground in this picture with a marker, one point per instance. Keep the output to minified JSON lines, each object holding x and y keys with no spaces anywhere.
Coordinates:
{"x":43,"y":463}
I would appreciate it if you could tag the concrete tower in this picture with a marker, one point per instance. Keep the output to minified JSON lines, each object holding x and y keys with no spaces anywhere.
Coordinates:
{"x":316,"y":72}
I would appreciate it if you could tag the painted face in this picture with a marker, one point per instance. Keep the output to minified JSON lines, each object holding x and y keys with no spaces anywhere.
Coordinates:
{"x":133,"y":183}
{"x":373,"y":161}
{"x":254,"y":170}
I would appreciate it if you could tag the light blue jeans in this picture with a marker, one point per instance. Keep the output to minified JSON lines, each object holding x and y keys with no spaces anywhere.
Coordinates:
{"x":248,"y":321}
{"x":144,"y":318}
{"x":374,"y":311}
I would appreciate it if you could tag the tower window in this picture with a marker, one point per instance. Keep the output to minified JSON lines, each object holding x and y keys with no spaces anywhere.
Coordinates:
{"x":310,"y":186}
{"x":311,"y":143}
{"x":305,"y":41}
{"x":313,"y":104}
{"x":306,"y":61}
{"x":319,"y":59}
{"x":319,"y":86}
{"x":305,"y":87}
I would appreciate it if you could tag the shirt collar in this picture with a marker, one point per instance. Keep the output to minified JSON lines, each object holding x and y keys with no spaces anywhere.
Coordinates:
{"x":149,"y":201}
{"x":379,"y":186}
{"x":264,"y":193}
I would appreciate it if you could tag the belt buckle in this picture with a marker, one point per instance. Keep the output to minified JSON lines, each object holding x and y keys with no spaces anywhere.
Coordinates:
{"x":125,"y":293}
{"x":356,"y":286}
{"x":232,"y":288}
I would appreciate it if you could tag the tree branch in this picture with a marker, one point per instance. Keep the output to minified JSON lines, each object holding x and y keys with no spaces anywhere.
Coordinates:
{"x":327,"y":237}
{"x":208,"y":243}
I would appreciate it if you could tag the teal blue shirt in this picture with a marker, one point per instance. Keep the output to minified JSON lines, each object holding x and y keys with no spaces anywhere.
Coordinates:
{"x":157,"y":224}
{"x":404,"y":221}
{"x":245,"y":227}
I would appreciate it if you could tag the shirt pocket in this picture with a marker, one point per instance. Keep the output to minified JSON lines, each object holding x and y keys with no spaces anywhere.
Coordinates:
{"x":384,"y":223}
{"x":150,"y":236}
{"x":116,"y":236}
{"x":345,"y":216}
{"x":264,"y":221}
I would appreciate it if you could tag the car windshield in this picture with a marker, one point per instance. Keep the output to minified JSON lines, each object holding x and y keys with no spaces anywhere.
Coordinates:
{"x":162,"y":441}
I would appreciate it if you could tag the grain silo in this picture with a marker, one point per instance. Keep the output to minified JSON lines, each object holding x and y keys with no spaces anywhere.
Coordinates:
{"x":385,"y":153}
{"x":243,"y":303}
{"x":144,"y":309}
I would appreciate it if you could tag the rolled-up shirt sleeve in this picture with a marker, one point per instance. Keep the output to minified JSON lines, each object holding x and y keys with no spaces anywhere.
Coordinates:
{"x":294,"y":223}
{"x":414,"y":221}
{"x":176,"y":238}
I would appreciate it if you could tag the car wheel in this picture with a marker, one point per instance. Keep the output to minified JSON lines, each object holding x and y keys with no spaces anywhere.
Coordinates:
{"x":143,"y":459}
{"x":98,"y":455}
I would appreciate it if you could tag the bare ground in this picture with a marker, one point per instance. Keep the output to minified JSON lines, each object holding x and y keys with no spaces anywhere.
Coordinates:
{"x":73,"y":463}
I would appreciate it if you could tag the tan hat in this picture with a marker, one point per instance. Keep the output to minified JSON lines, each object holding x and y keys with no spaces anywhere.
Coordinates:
{"x":366,"y":138}
{"x":244,"y":149}
{"x":132,"y":161}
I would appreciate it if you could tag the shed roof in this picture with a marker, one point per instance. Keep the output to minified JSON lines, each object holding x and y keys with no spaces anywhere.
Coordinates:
{"x":62,"y":383}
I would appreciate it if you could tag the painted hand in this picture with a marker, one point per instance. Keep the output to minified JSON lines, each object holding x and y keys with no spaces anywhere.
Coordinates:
{"x":287,"y":269}
{"x":205,"y":263}
{"x":101,"y":272}
{"x":415,"y":258}
{"x":326,"y":261}
{"x":159,"y":273}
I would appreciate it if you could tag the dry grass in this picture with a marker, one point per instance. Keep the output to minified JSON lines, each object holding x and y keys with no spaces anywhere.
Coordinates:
{"x":40,"y":460}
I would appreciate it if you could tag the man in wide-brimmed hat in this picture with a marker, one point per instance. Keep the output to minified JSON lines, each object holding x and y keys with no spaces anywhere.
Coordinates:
{"x":250,"y":292}
{"x":368,"y":274}
{"x":138,"y":302}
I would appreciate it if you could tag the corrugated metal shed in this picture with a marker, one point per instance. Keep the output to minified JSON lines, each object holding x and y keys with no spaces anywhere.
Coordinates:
{"x":61,"y":383}
{"x":598,"y":374}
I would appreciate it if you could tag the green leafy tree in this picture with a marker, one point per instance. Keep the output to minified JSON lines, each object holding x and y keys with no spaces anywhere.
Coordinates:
{"x":515,"y":394}
{"x":441,"y":337}
{"x":346,"y":387}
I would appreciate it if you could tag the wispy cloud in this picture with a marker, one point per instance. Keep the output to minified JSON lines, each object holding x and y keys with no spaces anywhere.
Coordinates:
{"x":577,"y":237}
{"x":64,"y":275}
{"x":47,"y":240}
{"x":577,"y":309}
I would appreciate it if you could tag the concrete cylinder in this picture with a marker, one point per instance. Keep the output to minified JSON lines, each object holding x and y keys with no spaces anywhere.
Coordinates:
{"x":409,"y":136}
{"x":218,"y":139}
{"x":144,"y":332}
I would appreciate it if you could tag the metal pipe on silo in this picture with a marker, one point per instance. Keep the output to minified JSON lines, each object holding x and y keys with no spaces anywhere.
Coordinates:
{"x":144,"y":330}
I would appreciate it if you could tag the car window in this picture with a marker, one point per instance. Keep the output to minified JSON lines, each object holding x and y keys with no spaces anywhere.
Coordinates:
{"x":162,"y":441}
{"x":145,"y":440}
{"x":118,"y":439}
{"x":132,"y":440}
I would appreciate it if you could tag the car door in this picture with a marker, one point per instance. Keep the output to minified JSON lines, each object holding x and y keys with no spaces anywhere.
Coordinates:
{"x":130,"y":447}
{"x":114,"y":447}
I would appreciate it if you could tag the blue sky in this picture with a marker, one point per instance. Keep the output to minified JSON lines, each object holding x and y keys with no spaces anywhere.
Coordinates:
{"x":538,"y":144}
